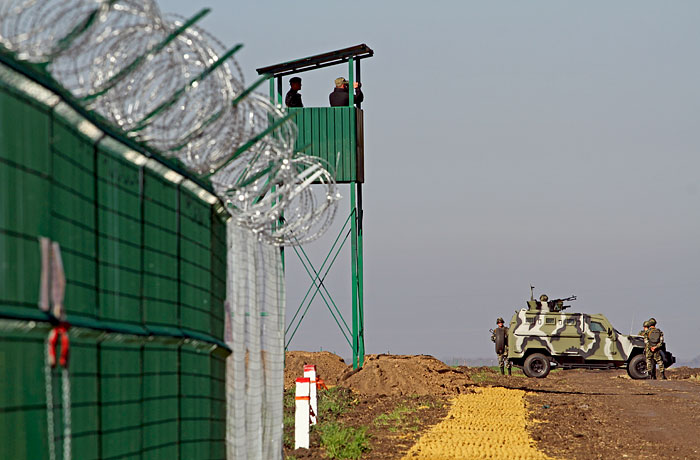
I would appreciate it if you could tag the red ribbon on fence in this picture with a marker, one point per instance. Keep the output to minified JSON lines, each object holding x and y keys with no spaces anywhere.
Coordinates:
{"x":60,"y":331}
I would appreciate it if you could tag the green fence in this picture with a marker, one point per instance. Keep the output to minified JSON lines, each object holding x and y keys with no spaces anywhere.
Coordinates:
{"x":144,"y":252}
{"x":335,"y":134}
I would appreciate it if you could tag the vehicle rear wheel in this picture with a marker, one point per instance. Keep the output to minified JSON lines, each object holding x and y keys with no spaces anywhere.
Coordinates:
{"x":637,"y":367}
{"x":536,"y":365}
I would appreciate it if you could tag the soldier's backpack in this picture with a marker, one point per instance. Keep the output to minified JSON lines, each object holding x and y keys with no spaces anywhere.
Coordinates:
{"x":654,"y":337}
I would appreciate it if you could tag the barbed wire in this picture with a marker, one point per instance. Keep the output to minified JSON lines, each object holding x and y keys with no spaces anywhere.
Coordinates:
{"x":166,"y":82}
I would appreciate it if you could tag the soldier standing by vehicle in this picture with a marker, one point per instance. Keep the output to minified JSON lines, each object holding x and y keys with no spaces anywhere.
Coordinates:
{"x":650,"y":370}
{"x":643,"y":332}
{"x":655,"y":340}
{"x":500,"y":337}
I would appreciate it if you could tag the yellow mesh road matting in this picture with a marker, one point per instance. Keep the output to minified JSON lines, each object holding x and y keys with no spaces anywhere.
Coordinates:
{"x":488,"y":424}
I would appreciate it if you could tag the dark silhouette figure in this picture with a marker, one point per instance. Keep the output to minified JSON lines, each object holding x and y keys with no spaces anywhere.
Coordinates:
{"x":293,"y":97}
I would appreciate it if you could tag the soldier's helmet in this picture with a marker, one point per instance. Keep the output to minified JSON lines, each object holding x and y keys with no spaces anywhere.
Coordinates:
{"x":500,"y":320}
{"x":544,"y":298}
{"x":652,"y":322}
{"x":646,"y":324}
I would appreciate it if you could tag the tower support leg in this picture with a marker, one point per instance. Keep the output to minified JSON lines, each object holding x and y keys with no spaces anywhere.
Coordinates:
{"x":360,"y":279}
{"x":358,"y":345}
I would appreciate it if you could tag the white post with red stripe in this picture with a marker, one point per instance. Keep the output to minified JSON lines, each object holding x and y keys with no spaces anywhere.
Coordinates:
{"x":301,"y":416}
{"x":310,"y":373}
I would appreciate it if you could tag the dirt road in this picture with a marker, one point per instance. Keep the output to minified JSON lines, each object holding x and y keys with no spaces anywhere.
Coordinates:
{"x":605,"y":415}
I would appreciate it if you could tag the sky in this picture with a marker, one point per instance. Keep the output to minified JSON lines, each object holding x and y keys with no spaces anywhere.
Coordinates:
{"x":507,"y":144}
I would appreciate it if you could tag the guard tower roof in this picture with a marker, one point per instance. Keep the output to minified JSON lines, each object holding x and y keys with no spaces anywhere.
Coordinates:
{"x":318,"y":61}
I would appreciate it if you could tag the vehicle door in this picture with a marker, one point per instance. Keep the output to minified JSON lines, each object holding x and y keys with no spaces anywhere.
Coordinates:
{"x":599,"y":340}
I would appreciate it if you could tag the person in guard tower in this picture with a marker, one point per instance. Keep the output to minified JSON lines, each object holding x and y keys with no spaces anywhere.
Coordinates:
{"x":340,"y":97}
{"x":293,"y":97}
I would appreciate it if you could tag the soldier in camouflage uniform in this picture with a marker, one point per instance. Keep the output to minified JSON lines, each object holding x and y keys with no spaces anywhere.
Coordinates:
{"x":655,"y":340}
{"x":500,"y":337}
{"x":651,"y":372}
{"x":643,"y":332}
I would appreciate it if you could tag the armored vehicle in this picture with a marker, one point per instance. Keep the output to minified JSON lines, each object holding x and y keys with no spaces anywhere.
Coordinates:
{"x":542,"y":336}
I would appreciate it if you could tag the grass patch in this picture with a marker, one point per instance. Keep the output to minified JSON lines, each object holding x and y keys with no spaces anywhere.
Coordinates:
{"x":343,"y":442}
{"x":481,"y":376}
{"x":486,"y":376}
{"x":404,"y":417}
{"x":397,"y":418}
{"x":288,"y":418}
{"x":332,"y":404}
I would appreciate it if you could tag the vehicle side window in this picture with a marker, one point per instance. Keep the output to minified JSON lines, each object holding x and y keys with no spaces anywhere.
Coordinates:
{"x":570,"y":322}
{"x":550,"y":320}
{"x":597,"y":327}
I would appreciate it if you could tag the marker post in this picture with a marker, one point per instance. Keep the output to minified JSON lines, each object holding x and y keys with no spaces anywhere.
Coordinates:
{"x":301,"y":415}
{"x":310,"y":373}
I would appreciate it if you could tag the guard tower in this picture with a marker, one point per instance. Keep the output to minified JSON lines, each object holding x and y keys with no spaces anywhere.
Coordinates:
{"x":336,"y":135}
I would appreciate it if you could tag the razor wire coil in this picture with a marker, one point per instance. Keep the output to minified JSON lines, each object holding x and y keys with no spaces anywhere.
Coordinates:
{"x":170,"y":84}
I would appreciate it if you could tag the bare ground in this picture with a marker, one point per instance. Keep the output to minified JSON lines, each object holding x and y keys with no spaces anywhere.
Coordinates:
{"x":574,"y":415}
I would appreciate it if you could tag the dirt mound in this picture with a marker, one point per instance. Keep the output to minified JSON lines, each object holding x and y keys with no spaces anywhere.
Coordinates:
{"x":683,"y":372}
{"x":406,"y":375}
{"x":329,"y":367}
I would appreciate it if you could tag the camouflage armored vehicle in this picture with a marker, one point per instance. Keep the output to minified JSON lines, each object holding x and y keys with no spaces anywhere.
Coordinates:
{"x":542,"y":336}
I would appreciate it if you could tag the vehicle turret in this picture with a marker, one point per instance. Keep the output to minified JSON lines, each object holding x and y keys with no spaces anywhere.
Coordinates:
{"x":555,"y":305}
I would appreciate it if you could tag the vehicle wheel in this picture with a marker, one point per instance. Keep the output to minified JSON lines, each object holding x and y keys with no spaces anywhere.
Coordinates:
{"x":637,"y":367}
{"x":536,"y":365}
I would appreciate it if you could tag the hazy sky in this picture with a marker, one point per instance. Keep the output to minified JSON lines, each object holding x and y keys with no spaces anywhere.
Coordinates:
{"x":507,"y":144}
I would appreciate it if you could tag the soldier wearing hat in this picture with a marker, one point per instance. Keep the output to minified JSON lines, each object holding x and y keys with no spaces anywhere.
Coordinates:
{"x":645,"y":327}
{"x":293,"y":97}
{"x":643,"y":333}
{"x":655,"y":340}
{"x":500,"y":337}
{"x":340,"y":97}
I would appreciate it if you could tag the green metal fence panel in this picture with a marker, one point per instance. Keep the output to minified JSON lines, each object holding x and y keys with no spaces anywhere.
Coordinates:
{"x":160,"y":252}
{"x":85,"y":398}
{"x":218,"y":274}
{"x":73,"y":211}
{"x":24,"y":215}
{"x":24,"y":140}
{"x":120,"y":229}
{"x":22,"y":397}
{"x":161,"y":408}
{"x":121,"y":400}
{"x":339,"y":141}
{"x":333,"y":134}
{"x":218,"y":406}
{"x":144,"y":253}
{"x":195,"y":404}
{"x":195,"y":263}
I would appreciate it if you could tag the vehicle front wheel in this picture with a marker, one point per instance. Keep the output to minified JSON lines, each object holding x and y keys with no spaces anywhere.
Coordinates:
{"x":637,"y":367}
{"x":536,"y":365}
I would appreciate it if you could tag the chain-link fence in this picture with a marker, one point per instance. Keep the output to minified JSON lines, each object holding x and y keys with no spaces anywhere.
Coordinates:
{"x":255,"y":322}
